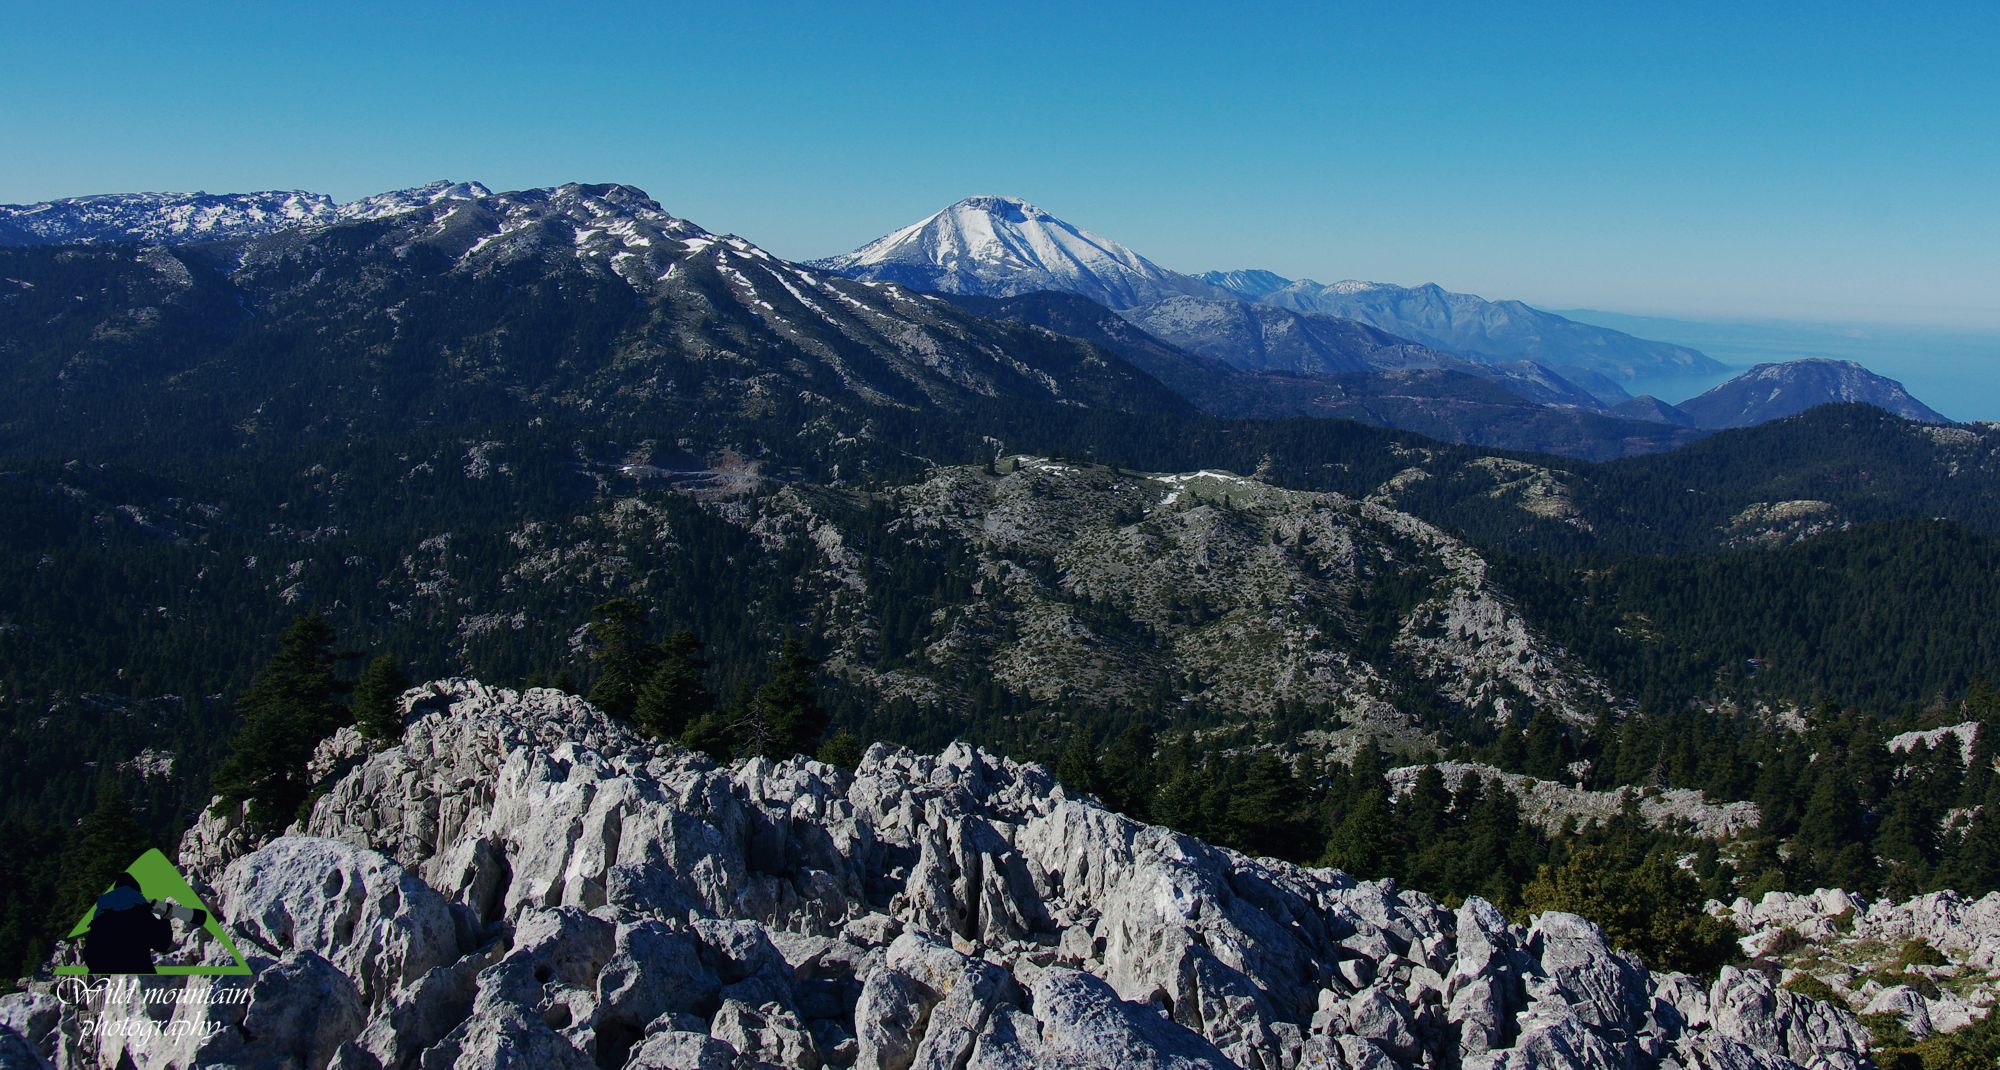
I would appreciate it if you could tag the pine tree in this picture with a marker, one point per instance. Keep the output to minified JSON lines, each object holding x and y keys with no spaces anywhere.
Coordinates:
{"x":675,"y":695}
{"x":287,"y":709}
{"x":378,"y":713}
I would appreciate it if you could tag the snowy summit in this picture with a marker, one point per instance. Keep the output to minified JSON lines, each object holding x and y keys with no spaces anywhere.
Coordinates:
{"x":1003,"y":247}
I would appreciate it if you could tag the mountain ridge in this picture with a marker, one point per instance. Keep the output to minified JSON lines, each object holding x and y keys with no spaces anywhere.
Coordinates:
{"x":175,"y":218}
{"x":1480,"y":329}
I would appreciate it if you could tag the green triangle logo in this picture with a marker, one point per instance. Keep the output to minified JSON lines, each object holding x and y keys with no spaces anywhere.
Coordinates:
{"x":135,"y":924}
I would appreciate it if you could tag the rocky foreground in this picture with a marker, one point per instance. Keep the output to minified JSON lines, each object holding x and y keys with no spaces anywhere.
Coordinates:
{"x":522,"y":882}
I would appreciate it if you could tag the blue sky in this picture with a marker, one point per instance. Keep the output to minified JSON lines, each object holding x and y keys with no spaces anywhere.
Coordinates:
{"x":1811,"y":161}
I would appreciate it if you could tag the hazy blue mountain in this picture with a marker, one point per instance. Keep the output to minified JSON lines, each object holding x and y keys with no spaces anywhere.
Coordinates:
{"x":1458,"y":401}
{"x":1479,"y":329}
{"x":1773,"y":391}
{"x":1649,"y":408}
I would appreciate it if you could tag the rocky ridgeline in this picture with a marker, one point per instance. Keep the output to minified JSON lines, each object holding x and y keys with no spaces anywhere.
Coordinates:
{"x":1549,"y":804}
{"x":1863,"y":951}
{"x":523,"y":882}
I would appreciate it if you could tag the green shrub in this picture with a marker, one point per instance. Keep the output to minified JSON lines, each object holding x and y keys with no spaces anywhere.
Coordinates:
{"x":1811,"y":987}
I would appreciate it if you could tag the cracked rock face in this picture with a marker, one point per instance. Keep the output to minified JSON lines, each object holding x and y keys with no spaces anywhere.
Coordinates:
{"x":523,"y":882}
{"x":1855,"y":947}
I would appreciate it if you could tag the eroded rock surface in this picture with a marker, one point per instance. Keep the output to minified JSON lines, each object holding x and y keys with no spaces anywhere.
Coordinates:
{"x":523,"y":882}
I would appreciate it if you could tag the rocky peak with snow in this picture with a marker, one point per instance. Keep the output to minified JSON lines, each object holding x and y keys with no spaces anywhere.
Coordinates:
{"x":397,"y":202}
{"x":521,"y":881}
{"x":180,"y":218}
{"x":161,"y":218}
{"x":1004,"y":247}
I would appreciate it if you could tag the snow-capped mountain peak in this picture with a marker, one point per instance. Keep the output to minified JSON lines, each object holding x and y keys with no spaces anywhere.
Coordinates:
{"x":1006,"y":246}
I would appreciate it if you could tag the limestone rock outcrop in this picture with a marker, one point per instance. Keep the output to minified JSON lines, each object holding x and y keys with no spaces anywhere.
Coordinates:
{"x":524,"y":882}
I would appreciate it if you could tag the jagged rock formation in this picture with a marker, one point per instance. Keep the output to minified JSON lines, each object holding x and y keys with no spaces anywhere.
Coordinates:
{"x":1932,"y":960}
{"x":522,"y":882}
{"x":1960,"y":737}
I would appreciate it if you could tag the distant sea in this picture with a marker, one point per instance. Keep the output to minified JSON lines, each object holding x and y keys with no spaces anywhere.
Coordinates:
{"x":1955,"y":371}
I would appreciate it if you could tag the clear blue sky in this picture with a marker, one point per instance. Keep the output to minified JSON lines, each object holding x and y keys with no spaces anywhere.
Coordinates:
{"x":1809,"y":160}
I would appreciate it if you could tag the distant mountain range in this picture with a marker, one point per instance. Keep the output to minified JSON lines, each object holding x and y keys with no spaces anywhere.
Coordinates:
{"x":1311,"y":347}
{"x":1004,"y":247}
{"x":1237,"y":343}
{"x":586,"y":304}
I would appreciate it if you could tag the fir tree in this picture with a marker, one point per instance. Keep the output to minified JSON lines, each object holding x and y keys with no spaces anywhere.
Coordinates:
{"x":788,"y":706}
{"x":1266,"y":809}
{"x":1077,"y":767}
{"x":622,"y":657}
{"x":287,"y":709}
{"x":1176,"y":802}
{"x":109,"y":839}
{"x":377,"y":710}
{"x":1974,"y":867}
{"x":675,"y":695}
{"x":1653,"y":908}
{"x":842,"y":749}
{"x":1126,"y":776}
